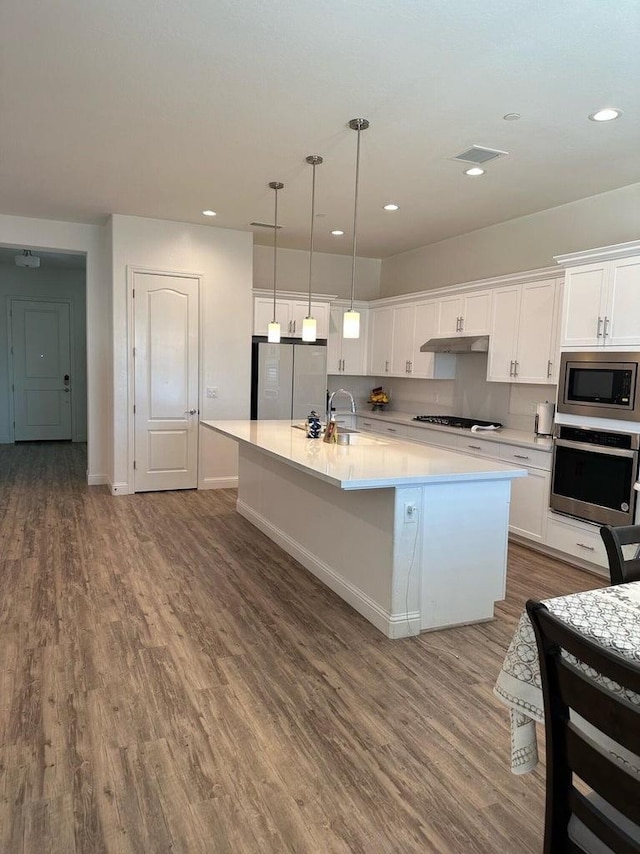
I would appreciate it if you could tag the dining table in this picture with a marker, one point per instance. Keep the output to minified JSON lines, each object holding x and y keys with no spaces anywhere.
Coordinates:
{"x":608,"y":616}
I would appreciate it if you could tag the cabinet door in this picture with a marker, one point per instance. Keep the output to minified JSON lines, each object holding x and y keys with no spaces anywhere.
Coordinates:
{"x":319,"y":310}
{"x":449,"y":314}
{"x":263,"y":315}
{"x":529,"y":505}
{"x":553,"y":372}
{"x":623,"y":309}
{"x":476,"y":313}
{"x":583,"y":306}
{"x":535,"y":332}
{"x":334,"y":342}
{"x":503,"y":334}
{"x":402,"y":340}
{"x":424,"y":327}
{"x":381,"y":320}
{"x":354,"y":350}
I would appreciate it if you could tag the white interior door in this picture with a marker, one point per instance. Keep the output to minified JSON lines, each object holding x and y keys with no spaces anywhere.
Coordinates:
{"x":166,"y":382}
{"x":40,"y":337}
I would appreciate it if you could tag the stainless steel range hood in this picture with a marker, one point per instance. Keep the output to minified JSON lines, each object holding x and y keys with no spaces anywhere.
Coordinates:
{"x":464,"y":344}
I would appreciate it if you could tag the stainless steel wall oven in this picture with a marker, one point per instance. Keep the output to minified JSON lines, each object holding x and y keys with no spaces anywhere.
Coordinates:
{"x":593,"y":474}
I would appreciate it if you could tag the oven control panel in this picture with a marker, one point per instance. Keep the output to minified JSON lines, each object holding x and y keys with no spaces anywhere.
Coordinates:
{"x":597,"y":437}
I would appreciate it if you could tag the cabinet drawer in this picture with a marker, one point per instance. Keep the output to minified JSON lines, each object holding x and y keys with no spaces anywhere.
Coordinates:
{"x":397,"y":431}
{"x":583,"y":542}
{"x":479,"y":447}
{"x":529,"y":457}
{"x":370,"y":424}
{"x":432,"y":437}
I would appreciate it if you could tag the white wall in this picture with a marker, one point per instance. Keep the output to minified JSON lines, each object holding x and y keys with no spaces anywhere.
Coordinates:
{"x":224,"y":259}
{"x":331,"y":273}
{"x":46,"y":283}
{"x":91,"y":240}
{"x":526,"y":243}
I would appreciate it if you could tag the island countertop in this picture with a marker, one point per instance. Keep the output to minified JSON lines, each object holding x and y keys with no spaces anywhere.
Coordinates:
{"x":368,"y":462}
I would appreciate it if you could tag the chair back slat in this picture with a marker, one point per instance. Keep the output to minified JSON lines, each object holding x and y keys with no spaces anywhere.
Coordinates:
{"x":618,"y":720}
{"x":601,"y":826}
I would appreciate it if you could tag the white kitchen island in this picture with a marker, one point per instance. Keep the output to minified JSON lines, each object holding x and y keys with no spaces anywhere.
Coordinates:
{"x":414,"y":538}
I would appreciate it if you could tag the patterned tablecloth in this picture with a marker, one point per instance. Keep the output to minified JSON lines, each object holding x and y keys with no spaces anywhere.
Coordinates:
{"x":611,"y":617}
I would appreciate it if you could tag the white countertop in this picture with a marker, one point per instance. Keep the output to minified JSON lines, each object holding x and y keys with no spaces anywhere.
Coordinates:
{"x":521,"y":438}
{"x":369,"y":463}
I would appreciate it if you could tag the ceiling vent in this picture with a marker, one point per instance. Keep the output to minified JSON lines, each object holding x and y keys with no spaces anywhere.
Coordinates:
{"x":478,"y":154}
{"x":264,"y":225}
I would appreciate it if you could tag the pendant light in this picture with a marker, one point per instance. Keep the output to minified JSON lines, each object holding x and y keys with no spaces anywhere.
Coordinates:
{"x":351,"y":318}
{"x":309,"y":325}
{"x":273,"y":330}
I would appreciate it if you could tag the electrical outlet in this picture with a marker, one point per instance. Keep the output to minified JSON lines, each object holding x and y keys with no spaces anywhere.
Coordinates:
{"x":212,"y":392}
{"x":410,"y":512}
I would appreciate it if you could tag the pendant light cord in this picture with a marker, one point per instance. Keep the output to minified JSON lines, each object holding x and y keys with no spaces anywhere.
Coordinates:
{"x":357,"y":125}
{"x":275,"y":185}
{"x":313,"y":160}
{"x":313,"y":214}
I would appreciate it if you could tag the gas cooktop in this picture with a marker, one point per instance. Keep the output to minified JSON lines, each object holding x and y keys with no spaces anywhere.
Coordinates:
{"x":455,"y":421}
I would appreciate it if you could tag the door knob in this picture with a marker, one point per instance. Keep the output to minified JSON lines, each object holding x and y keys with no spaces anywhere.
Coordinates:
{"x":190,"y":411}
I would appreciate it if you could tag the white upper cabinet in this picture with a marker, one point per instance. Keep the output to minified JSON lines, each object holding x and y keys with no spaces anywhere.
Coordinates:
{"x":289,"y":314}
{"x":346,"y":355}
{"x":397,"y":333}
{"x":601,"y":306}
{"x":522,"y":338}
{"x":468,"y":314}
{"x":381,"y":338}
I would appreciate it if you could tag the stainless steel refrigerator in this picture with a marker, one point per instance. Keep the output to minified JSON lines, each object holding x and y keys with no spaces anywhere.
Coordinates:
{"x":288,"y":380}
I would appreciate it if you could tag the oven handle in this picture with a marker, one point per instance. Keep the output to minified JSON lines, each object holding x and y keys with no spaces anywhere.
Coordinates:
{"x":596,"y":449}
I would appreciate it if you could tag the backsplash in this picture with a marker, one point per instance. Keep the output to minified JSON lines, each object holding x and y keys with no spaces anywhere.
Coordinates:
{"x":468,"y":395}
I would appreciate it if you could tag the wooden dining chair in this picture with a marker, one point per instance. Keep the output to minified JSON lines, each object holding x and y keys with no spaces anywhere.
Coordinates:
{"x":610,"y":814}
{"x":621,"y":570}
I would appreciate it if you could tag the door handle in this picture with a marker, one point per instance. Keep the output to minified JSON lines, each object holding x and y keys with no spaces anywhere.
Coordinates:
{"x":511,"y":368}
{"x":190,"y":411}
{"x":461,"y":323}
{"x":606,"y":323}
{"x":549,"y":364}
{"x":515,"y":369}
{"x":598,"y":332}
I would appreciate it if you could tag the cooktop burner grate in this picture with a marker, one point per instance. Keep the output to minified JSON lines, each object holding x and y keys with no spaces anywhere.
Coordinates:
{"x":455,"y":421}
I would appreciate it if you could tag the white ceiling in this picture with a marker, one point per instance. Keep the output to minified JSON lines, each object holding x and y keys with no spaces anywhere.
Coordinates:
{"x":160,"y":109}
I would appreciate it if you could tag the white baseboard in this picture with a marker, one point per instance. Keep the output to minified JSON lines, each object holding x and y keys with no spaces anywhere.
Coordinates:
{"x":392,"y":625}
{"x":120,"y":488}
{"x":218,"y":483}
{"x":97,"y":479}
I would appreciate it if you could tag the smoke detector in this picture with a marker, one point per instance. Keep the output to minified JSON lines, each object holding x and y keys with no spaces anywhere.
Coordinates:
{"x":27,"y":259}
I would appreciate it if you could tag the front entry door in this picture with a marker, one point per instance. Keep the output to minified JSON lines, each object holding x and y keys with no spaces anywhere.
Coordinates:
{"x":40,"y":338}
{"x":166,"y":381}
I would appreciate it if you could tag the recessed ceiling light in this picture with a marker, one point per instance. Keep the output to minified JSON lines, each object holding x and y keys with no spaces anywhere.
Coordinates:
{"x":475,"y":170}
{"x":605,"y":115}
{"x":209,"y":213}
{"x":391,"y":207}
{"x":337,"y":232}
{"x":511,"y":117}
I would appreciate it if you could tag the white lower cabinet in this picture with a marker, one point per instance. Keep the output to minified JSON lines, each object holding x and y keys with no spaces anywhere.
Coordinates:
{"x":432,"y":437}
{"x":576,"y":538}
{"x":374,"y":425}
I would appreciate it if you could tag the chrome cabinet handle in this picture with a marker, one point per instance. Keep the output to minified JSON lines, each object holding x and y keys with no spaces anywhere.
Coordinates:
{"x":606,"y":323}
{"x":515,"y":368}
{"x":521,"y":457}
{"x":461,"y":323}
{"x":549,"y":364}
{"x":386,"y":365}
{"x":392,"y":429}
{"x":511,"y":368}
{"x":475,"y":447}
{"x":583,"y":546}
{"x":410,"y":366}
{"x":599,"y":333}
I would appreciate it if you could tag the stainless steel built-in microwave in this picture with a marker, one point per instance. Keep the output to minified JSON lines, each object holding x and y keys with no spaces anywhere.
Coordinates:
{"x":600,"y":384}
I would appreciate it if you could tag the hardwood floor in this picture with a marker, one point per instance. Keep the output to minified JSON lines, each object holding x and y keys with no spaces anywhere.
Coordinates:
{"x":172,"y":681}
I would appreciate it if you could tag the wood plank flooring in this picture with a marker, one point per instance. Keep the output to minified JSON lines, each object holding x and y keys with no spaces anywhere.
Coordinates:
{"x":170,"y":681}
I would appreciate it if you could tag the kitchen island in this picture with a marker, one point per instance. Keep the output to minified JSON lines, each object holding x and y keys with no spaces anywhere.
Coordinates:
{"x":414,"y":538}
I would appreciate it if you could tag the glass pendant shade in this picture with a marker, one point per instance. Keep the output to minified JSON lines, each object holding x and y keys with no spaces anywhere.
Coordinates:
{"x":351,"y":324}
{"x":273,"y":332}
{"x":309,"y":332}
